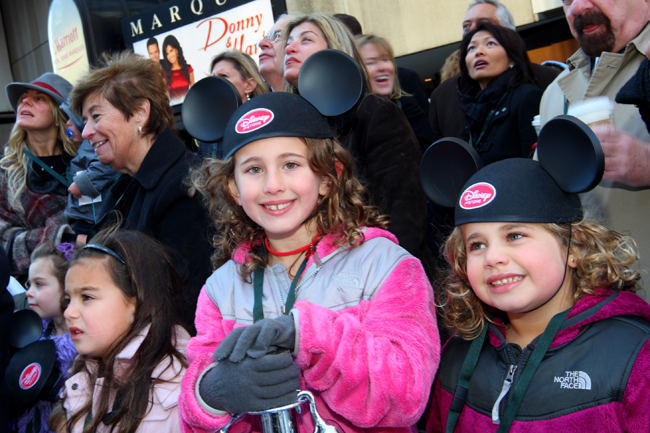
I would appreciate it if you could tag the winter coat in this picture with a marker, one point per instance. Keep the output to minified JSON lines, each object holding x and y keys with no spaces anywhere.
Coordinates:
{"x":162,"y":413}
{"x":624,"y":208}
{"x":510,"y":133}
{"x":156,"y":201}
{"x":594,"y":377}
{"x":368,"y":344}
{"x":31,"y":220}
{"x":93,"y":179}
{"x":387,"y":156}
{"x":445,"y":113}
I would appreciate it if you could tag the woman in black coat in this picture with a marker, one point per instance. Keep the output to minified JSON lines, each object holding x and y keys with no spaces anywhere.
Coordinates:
{"x":129,"y":123}
{"x":501,"y":101}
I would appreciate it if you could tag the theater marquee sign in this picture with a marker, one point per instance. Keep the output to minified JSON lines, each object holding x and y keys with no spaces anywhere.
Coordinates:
{"x":183,"y":36}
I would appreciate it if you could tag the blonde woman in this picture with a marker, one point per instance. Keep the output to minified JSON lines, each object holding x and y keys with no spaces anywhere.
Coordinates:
{"x":380,"y":61}
{"x":32,"y":198}
{"x":240,"y":69}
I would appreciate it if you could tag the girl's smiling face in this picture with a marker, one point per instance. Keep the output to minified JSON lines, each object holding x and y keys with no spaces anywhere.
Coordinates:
{"x":45,"y":292}
{"x":98,"y":314}
{"x":517,"y":267}
{"x":276,"y":187}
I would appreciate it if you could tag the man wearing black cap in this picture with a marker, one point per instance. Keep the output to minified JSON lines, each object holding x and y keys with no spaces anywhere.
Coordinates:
{"x":612,"y":40}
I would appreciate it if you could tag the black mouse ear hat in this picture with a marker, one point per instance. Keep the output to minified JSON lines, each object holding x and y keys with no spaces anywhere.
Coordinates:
{"x":571,"y":161}
{"x":331,"y":83}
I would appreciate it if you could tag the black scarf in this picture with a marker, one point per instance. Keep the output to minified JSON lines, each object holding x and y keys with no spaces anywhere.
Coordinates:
{"x":637,"y":91}
{"x":477,"y":103}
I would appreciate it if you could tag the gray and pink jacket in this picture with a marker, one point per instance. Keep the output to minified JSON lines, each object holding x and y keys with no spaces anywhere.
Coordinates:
{"x":595,"y":376}
{"x":367,"y":339}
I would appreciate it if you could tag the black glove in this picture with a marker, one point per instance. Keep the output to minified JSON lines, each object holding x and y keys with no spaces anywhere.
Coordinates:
{"x":251,"y":385}
{"x":258,"y":339}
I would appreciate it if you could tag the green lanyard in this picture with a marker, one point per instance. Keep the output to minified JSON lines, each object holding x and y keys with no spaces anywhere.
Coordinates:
{"x":47,"y":168}
{"x":485,"y":124}
{"x":469,"y":365}
{"x":258,"y":286}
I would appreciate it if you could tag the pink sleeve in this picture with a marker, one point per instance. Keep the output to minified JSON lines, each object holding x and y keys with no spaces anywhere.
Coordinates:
{"x":634,"y":414}
{"x":374,"y":363}
{"x":211,"y":329}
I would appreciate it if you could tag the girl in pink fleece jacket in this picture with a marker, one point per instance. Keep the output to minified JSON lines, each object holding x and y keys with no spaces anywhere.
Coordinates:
{"x":311,"y":293}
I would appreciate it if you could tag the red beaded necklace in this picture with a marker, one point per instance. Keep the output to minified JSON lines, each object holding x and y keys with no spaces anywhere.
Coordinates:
{"x":298,"y":251}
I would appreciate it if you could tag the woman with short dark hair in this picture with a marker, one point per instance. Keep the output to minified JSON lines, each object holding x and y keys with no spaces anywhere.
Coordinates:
{"x":501,"y":101}
{"x":129,"y":123}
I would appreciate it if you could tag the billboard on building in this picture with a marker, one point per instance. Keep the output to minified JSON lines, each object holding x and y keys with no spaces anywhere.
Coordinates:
{"x":66,"y":39}
{"x":183,"y":36}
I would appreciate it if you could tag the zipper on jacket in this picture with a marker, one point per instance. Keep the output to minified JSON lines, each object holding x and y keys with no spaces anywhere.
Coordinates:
{"x":507,"y":383}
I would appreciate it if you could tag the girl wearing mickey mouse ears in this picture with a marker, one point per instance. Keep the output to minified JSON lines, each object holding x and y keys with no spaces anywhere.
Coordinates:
{"x":549,"y":335}
{"x":310,"y":292}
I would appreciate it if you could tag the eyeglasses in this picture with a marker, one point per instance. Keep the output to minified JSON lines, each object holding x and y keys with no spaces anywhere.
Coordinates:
{"x":272,"y":37}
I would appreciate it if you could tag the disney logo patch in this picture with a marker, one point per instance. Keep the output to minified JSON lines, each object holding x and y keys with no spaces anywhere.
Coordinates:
{"x":254,"y":120}
{"x":478,"y":195}
{"x":30,"y":375}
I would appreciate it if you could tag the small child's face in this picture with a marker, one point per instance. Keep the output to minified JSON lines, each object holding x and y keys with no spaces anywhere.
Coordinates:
{"x":275,"y":185}
{"x":44,"y":294}
{"x":98,"y":313}
{"x":517,"y":267}
{"x":76,"y":135}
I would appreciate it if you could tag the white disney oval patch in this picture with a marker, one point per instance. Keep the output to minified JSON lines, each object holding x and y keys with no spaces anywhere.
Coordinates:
{"x":477,"y":195}
{"x":254,"y":120}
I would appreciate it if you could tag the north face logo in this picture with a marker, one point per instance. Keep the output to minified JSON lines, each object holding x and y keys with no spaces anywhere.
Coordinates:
{"x":574,"y":380}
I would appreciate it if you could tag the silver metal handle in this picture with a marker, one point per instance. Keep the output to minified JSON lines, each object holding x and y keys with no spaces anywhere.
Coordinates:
{"x":278,"y":420}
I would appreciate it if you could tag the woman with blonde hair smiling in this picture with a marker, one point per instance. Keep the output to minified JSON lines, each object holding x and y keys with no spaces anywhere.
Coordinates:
{"x":379,"y":59}
{"x":376,"y":132}
{"x":34,"y":169}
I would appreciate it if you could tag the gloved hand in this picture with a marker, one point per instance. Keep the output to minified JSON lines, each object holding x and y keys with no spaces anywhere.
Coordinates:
{"x":258,"y":339}
{"x":251,"y":385}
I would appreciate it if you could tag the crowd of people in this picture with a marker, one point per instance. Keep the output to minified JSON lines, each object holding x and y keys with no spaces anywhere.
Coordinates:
{"x":188,"y":292}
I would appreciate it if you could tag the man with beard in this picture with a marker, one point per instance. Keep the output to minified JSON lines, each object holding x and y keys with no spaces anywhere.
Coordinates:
{"x":612,"y":36}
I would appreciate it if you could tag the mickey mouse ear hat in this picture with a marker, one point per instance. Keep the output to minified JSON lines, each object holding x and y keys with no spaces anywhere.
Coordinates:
{"x":212,"y":109}
{"x":522,"y":190}
{"x":273,"y":115}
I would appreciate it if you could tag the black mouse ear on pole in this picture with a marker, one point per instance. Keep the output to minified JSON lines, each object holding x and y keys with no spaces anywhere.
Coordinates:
{"x":571,"y":153}
{"x":207,"y":108}
{"x":332,"y":82}
{"x":26,"y":328}
{"x":445,"y":168}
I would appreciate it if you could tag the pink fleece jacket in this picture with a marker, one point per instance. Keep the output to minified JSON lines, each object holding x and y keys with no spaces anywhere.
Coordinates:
{"x":370,"y":366}
{"x":630,"y":414}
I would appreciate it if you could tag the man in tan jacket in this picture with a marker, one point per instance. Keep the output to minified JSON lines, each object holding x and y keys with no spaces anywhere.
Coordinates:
{"x":612,"y":36}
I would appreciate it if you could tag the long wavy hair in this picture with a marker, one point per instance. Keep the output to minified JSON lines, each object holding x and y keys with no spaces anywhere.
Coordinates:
{"x":15,"y":163}
{"x":515,"y":48}
{"x":148,"y":278}
{"x":344,"y":210}
{"x":603,"y":259}
{"x":171,"y":41}
{"x":337,"y":35}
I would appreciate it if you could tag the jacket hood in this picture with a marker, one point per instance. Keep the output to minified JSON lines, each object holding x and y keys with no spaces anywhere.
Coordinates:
{"x":328,"y":245}
{"x":602,"y":305}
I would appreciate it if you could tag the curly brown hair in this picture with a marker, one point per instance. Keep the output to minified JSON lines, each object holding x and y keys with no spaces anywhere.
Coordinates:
{"x":343,"y":210}
{"x":603,"y":259}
